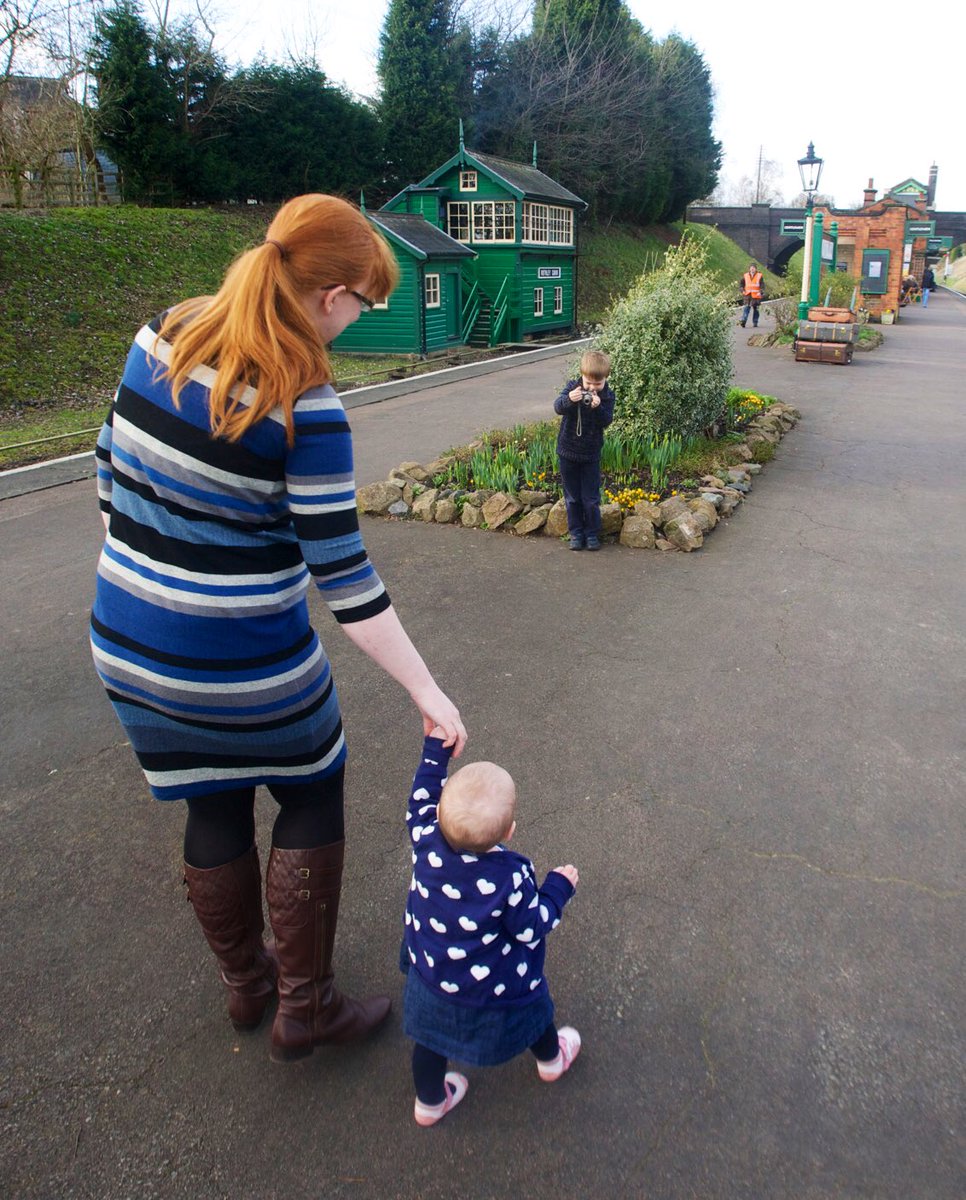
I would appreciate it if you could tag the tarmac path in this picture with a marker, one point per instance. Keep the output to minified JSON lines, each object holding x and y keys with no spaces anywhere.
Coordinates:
{"x":754,"y":754}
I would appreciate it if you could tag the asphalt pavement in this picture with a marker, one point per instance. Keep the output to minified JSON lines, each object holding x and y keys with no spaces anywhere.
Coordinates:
{"x":754,"y":754}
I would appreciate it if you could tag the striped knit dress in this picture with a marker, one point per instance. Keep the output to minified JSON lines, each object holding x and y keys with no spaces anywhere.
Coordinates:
{"x":200,"y":628}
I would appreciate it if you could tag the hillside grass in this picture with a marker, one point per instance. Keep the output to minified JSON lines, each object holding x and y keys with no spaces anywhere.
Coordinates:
{"x":612,"y":257}
{"x":75,"y":284}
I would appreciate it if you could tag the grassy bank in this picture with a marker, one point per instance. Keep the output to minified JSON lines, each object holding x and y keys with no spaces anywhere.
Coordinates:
{"x":75,"y":284}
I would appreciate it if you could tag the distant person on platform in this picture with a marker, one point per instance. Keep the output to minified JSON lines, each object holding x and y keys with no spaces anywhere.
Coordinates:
{"x":928,"y":284}
{"x":753,"y":291}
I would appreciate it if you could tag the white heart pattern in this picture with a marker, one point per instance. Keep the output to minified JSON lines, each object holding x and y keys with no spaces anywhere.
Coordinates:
{"x":544,"y":913}
{"x":434,"y":859}
{"x":534,"y":983}
{"x":409,"y":917}
{"x":468,"y":858}
{"x":423,"y":891}
{"x":521,"y":969}
{"x":417,"y":924}
{"x":526,"y":936}
{"x":452,"y":892}
{"x":420,"y":794}
{"x":417,"y":832}
{"x":468,"y":925}
{"x":555,"y":923}
{"x":497,"y":912}
{"x":437,"y":925}
{"x":430,"y":961}
{"x":425,"y":809}
{"x":486,"y":888}
{"x":487,"y":937}
{"x":499,"y":989}
{"x":506,"y":949}
{"x":412,"y":956}
{"x":533,"y":903}
{"x":456,"y":952}
{"x":449,"y":987}
{"x":479,"y":972}
{"x":517,"y":879}
{"x":514,"y":899}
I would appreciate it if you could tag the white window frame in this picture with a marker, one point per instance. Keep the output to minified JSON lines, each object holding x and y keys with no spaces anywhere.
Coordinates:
{"x":488,"y":215}
{"x":469,"y":181}
{"x":458,"y":220}
{"x":538,"y":302}
{"x":557,"y":301}
{"x":548,"y":224}
{"x":431,"y":291}
{"x":534,"y":222}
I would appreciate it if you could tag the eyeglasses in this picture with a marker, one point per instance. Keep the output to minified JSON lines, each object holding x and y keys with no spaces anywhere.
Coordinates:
{"x":365,"y":303}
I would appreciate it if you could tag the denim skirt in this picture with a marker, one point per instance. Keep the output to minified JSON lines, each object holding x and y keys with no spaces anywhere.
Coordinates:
{"x":479,"y":1037}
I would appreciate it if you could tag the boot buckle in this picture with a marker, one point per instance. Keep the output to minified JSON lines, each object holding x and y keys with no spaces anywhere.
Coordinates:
{"x":304,"y":872}
{"x":304,"y":894}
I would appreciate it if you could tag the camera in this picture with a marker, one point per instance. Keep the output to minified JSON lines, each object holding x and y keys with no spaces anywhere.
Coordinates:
{"x":586,"y":397}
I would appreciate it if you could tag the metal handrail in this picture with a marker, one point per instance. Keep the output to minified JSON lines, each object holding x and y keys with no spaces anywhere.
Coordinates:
{"x":500,"y":314}
{"x":470,"y":311}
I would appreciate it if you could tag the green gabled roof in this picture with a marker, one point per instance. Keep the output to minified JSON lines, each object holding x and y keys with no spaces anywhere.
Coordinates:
{"x":907,"y":187}
{"x":527,"y":183}
{"x":417,"y":235}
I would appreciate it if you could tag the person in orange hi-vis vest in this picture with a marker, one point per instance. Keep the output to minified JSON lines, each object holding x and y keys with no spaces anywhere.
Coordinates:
{"x":753,"y":290}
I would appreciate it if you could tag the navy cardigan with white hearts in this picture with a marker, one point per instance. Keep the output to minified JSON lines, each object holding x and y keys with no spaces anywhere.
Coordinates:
{"x":475,"y":923}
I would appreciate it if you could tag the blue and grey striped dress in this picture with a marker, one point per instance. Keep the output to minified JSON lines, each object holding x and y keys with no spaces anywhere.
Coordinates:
{"x":200,"y":627}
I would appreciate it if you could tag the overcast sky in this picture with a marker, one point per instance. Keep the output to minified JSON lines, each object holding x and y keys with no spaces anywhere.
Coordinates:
{"x":870,"y":85}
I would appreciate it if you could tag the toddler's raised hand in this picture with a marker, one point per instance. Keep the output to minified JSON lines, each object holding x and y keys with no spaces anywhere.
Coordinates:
{"x":569,"y":872}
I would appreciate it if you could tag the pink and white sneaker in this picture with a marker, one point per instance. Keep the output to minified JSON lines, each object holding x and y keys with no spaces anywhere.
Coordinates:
{"x":455,"y":1085}
{"x":569,"y":1040}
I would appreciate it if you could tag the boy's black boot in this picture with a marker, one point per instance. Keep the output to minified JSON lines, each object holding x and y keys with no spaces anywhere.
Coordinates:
{"x":303,"y":889}
{"x":577,"y":541}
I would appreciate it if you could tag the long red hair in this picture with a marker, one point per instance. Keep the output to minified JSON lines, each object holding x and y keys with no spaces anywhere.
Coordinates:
{"x":255,"y":332}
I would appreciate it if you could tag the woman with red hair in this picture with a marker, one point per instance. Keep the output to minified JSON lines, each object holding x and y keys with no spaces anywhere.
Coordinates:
{"x":225,"y":480}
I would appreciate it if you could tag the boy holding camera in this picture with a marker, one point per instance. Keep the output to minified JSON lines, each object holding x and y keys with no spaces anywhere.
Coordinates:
{"x":586,"y":406}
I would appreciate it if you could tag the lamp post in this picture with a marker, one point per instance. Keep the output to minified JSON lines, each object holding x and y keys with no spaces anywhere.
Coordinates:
{"x":810,"y":169}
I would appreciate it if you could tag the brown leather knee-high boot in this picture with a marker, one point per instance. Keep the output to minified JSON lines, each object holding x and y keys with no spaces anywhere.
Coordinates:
{"x":228,"y":904}
{"x":303,"y":888}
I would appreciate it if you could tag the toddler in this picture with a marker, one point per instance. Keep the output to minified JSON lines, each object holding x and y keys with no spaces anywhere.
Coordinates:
{"x":473,"y":946}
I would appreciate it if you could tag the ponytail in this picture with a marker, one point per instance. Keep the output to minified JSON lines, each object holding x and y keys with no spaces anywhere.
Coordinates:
{"x":255,"y":333}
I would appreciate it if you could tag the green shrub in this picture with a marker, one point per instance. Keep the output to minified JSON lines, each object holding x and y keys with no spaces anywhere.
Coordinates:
{"x":840,"y":287}
{"x":669,"y":341}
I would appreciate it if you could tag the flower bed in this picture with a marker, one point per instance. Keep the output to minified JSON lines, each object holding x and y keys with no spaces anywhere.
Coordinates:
{"x":649,"y":499}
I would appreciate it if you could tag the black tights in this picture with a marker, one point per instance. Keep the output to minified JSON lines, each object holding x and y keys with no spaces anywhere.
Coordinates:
{"x":221,"y":825}
{"x":429,"y":1068}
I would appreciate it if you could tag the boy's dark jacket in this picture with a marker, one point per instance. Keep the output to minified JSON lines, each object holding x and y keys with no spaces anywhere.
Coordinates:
{"x":581,"y":434}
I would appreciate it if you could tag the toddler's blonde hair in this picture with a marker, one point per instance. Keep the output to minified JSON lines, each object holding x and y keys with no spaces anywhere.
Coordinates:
{"x":476,"y":807}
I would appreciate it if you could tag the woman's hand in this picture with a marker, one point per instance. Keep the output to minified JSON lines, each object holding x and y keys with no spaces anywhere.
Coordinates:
{"x":441,"y":718}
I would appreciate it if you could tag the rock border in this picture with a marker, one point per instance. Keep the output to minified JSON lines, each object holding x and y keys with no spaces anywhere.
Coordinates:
{"x":678,"y":523}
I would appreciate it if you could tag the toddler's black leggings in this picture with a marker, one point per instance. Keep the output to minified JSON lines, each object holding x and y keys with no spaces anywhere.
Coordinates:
{"x":221,"y":825}
{"x":429,"y":1068}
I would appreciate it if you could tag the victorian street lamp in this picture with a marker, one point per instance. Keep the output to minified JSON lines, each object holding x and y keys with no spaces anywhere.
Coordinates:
{"x":810,"y":169}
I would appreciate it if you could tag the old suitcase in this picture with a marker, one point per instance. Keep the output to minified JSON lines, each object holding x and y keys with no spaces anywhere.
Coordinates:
{"x":828,"y":352}
{"x":827,"y":331}
{"x":831,"y":314}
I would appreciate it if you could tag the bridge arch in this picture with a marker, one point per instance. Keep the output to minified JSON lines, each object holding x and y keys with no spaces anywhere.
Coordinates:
{"x":782,"y":254}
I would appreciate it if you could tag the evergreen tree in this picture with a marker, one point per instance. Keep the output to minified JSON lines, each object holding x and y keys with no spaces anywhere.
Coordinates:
{"x":424,"y":68}
{"x":300,"y":134}
{"x":135,"y":114}
{"x":687,"y":100}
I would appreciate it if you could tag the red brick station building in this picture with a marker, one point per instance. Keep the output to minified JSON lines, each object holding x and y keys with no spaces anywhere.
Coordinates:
{"x":889,"y":237}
